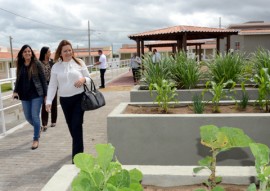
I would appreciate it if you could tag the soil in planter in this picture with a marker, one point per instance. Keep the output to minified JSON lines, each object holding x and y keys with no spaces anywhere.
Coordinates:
{"x":188,"y":109}
{"x":227,"y":187}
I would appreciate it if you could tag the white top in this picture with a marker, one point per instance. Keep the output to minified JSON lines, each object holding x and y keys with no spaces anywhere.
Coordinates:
{"x":103,"y":64}
{"x":156,"y":57}
{"x":63,"y":77}
{"x":135,"y":62}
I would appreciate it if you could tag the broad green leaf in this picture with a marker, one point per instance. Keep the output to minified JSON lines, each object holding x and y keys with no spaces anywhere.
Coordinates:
{"x":105,"y":155}
{"x":83,"y":182}
{"x":98,"y":177}
{"x":261,"y":153}
{"x":206,"y":161}
{"x":267,"y":171}
{"x":198,"y":169}
{"x":236,"y":137}
{"x":121,"y":179}
{"x":136,"y":187}
{"x":85,"y":162}
{"x":252,"y":187}
{"x":114,"y":167}
{"x":111,"y":187}
{"x":218,"y":188}
{"x":135,"y":176}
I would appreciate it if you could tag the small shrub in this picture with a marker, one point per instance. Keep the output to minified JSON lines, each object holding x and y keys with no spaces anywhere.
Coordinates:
{"x":198,"y":104}
{"x":261,"y":59}
{"x":101,"y":173}
{"x":166,"y":93}
{"x":219,"y":140}
{"x":185,"y":71}
{"x":226,"y":67}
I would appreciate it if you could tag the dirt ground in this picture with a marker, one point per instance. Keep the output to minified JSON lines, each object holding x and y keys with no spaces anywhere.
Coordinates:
{"x":188,"y":109}
{"x":227,"y":187}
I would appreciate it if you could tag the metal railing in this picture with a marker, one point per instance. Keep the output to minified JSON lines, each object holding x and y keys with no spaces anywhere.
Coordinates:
{"x":114,"y":69}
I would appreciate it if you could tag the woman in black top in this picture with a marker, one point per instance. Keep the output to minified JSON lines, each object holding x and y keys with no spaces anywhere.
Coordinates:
{"x":30,"y":88}
{"x":47,"y":64}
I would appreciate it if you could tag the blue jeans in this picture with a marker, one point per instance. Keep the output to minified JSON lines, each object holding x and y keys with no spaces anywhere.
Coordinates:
{"x":31,"y":110}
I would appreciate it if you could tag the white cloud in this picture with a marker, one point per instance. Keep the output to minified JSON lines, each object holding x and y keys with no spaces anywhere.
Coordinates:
{"x":112,"y":21}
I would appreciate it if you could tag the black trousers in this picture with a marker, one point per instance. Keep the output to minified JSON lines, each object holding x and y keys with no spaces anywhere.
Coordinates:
{"x":45,"y":114}
{"x":102,"y":73}
{"x":74,"y":117}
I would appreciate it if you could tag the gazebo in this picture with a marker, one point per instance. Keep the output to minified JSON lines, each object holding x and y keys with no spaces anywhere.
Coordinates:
{"x":181,"y":34}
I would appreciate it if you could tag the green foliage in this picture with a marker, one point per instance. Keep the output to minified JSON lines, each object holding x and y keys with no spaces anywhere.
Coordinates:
{"x":166,"y":93}
{"x":185,"y":71}
{"x":6,"y":87}
{"x":261,"y":154}
{"x":103,"y":174}
{"x":261,"y":59}
{"x":226,"y":67}
{"x":155,"y":73}
{"x":263,"y":81}
{"x":218,"y":91}
{"x":198,"y":104}
{"x":219,"y":140}
{"x":245,"y":98}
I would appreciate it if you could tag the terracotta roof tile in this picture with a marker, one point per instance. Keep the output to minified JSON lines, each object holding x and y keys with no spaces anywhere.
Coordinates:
{"x":182,"y":29}
{"x":254,"y":32}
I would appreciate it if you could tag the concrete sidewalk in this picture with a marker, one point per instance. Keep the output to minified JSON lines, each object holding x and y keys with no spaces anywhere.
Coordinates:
{"x":23,"y":169}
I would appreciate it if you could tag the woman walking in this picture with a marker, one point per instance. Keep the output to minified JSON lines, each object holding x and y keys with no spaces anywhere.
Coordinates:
{"x":47,"y":63}
{"x":30,"y":88}
{"x":68,"y":75}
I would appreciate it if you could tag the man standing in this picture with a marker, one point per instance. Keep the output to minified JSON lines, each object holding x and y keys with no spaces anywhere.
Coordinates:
{"x":102,"y":67}
{"x":156,"y":56}
{"x":135,"y":63}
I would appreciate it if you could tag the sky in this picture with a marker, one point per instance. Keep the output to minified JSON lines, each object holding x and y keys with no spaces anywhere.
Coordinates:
{"x":45,"y":23}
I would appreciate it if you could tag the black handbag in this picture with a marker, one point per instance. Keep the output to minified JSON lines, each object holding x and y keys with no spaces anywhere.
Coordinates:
{"x":92,"y":99}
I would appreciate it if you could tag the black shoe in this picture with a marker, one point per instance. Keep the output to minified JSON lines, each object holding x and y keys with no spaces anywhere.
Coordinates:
{"x":100,"y":87}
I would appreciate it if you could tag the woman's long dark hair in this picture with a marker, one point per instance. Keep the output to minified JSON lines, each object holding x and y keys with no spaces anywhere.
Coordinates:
{"x":43,"y":52}
{"x":20,"y":62}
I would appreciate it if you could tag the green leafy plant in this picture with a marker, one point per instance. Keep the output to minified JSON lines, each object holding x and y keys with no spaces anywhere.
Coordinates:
{"x":219,"y":140}
{"x":225,"y":67}
{"x":261,"y":154}
{"x":198,"y":104}
{"x":245,"y":98}
{"x":263,"y":81}
{"x":166,"y":93}
{"x":218,"y":91}
{"x":261,"y":59}
{"x":155,"y":73}
{"x":102,"y":174}
{"x":185,"y":71}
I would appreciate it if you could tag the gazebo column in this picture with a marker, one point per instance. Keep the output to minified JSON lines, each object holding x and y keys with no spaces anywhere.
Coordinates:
{"x":184,"y":41}
{"x":196,"y":51}
{"x":200,"y":50}
{"x":142,"y":47}
{"x":174,"y":49}
{"x":179,"y":45}
{"x":138,"y":47}
{"x":218,"y":44}
{"x":228,"y":43}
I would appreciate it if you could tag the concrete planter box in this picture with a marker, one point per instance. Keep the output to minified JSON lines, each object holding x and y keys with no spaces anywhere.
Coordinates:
{"x":174,"y":139}
{"x":137,"y":94}
{"x":163,"y":176}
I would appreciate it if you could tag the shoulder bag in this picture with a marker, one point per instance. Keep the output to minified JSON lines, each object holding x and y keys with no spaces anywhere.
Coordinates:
{"x":92,"y":99}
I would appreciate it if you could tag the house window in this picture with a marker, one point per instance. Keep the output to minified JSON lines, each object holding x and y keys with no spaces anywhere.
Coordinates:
{"x":237,"y":45}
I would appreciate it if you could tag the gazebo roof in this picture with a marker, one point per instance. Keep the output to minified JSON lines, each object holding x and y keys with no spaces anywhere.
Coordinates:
{"x":174,"y":33}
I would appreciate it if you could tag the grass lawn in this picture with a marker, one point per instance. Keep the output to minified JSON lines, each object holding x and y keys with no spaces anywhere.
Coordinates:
{"x":6,"y":87}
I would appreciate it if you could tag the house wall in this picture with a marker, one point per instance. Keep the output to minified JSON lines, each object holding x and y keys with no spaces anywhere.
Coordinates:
{"x":248,"y":43}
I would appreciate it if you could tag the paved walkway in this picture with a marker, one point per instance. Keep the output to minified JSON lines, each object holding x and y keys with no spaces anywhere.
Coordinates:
{"x":23,"y":169}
